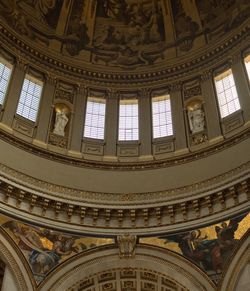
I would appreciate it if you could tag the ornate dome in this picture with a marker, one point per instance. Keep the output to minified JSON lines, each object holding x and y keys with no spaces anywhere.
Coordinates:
{"x":124,"y":144}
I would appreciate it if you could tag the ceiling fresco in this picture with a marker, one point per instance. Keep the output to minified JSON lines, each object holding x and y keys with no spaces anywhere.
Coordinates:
{"x":125,"y":34}
{"x":210,"y":247}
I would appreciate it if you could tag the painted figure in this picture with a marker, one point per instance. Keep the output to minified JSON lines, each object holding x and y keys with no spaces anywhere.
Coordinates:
{"x":210,"y":254}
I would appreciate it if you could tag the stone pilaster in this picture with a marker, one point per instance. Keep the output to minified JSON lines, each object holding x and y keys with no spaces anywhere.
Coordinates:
{"x":242,"y":85}
{"x":211,"y":106}
{"x":78,"y":119}
{"x":145,"y":123}
{"x":111,"y":127}
{"x":45,"y":110}
{"x":178,"y":117}
{"x":14,"y":92}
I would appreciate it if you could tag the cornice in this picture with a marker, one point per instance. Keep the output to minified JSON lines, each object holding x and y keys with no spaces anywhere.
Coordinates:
{"x":172,"y":210}
{"x":230,"y":262}
{"x":193,"y":64}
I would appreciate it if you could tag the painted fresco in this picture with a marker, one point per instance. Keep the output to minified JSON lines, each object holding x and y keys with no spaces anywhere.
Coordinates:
{"x":219,"y":16}
{"x":45,"y":249}
{"x":128,"y":33}
{"x":123,"y":33}
{"x":209,"y":247}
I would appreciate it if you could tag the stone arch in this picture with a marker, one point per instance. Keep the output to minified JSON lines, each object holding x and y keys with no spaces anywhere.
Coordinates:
{"x":240,"y":264}
{"x":17,"y":267}
{"x":165,"y":265}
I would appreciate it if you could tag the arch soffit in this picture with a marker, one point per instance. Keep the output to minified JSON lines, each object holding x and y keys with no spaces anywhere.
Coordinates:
{"x":165,"y":263}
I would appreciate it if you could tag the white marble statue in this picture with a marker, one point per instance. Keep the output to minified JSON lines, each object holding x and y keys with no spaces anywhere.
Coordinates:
{"x":196,"y":119}
{"x":60,"y":123}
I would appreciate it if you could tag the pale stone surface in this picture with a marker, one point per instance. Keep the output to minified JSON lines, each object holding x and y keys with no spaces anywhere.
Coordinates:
{"x":60,"y":123}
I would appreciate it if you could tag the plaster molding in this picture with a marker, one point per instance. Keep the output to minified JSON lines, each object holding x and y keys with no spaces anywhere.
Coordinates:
{"x":151,"y":212}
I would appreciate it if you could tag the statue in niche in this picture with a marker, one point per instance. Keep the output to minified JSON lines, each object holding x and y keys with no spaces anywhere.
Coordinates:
{"x":61,"y":121}
{"x":196,"y":118}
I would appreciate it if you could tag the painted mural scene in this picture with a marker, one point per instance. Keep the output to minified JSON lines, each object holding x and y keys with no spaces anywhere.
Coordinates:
{"x":45,"y":249}
{"x":211,"y":247}
{"x":124,"y":33}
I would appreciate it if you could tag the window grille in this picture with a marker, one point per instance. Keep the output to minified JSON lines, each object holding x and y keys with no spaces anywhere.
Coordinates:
{"x":226,"y":93}
{"x":128,"y":120}
{"x":5,"y":72}
{"x":95,"y":118}
{"x":29,"y":100}
{"x":162,"y":116}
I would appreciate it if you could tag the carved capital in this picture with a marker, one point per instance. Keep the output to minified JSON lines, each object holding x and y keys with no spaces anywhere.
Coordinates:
{"x":235,"y":58}
{"x":206,"y":75}
{"x":82,"y":90}
{"x":50,"y":79}
{"x":175,"y":87}
{"x":144,"y":93}
{"x":21,"y":64}
{"x":113,"y":94}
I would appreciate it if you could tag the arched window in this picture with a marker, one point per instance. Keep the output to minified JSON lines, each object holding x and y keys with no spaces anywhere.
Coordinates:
{"x":95,"y":118}
{"x":226,"y":93}
{"x":29,"y":100}
{"x":162,"y":116}
{"x":5,"y":72}
{"x":128,"y":120}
